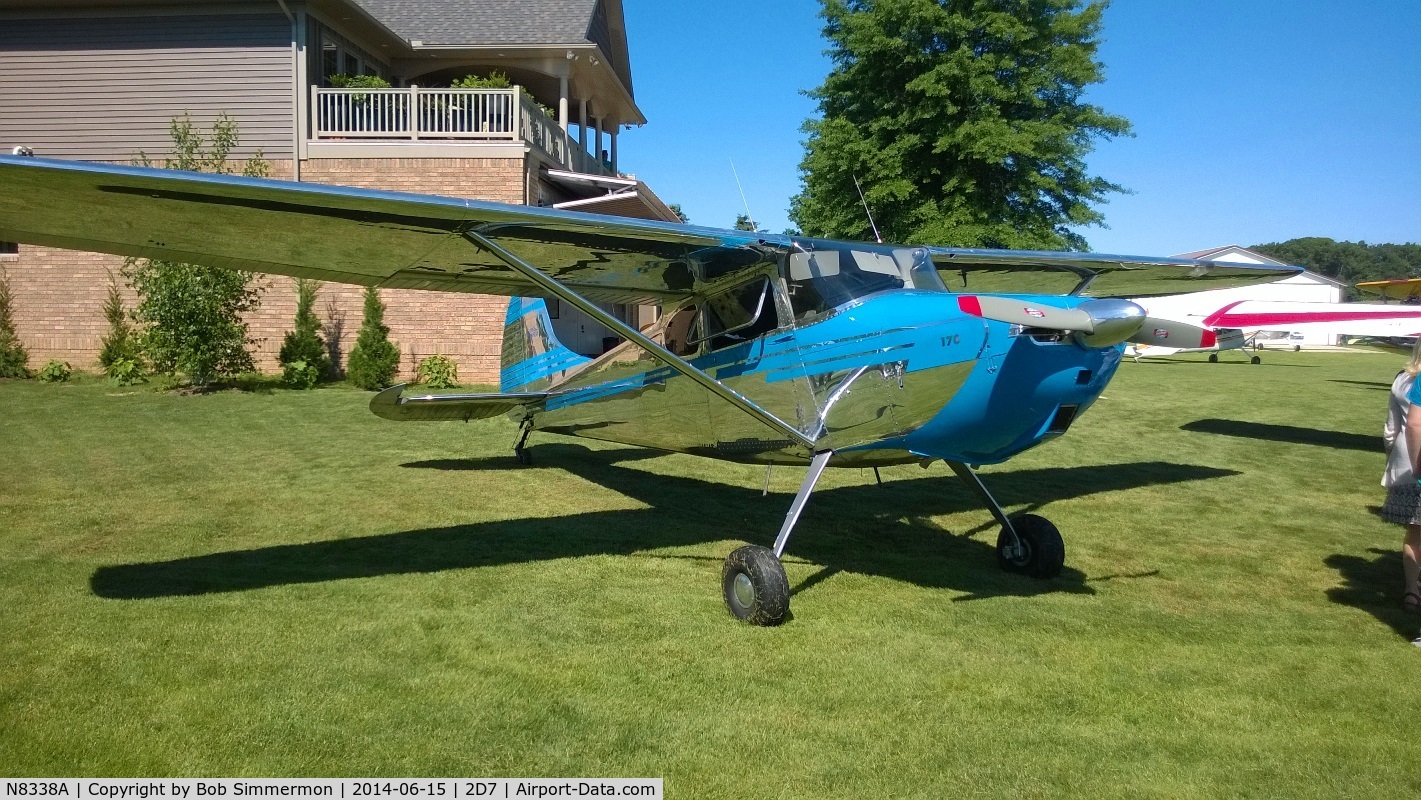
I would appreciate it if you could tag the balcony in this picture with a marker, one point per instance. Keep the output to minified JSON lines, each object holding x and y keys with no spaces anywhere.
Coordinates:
{"x":447,"y":116}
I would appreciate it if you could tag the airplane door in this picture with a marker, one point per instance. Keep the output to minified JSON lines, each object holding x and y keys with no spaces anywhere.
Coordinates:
{"x":750,"y":347}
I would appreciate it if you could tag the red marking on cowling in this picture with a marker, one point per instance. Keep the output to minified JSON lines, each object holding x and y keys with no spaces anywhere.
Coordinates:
{"x":969,"y":305}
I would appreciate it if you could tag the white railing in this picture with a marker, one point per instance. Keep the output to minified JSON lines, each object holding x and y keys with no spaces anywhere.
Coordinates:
{"x":413,"y":113}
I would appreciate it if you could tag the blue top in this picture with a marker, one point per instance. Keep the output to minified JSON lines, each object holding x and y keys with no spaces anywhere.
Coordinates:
{"x":1414,"y":395}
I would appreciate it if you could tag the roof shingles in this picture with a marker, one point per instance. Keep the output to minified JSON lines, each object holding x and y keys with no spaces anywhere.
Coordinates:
{"x":486,"y":22}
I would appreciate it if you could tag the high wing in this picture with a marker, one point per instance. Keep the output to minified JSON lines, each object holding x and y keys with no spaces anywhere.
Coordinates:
{"x":1408,"y":290}
{"x":407,"y":241}
{"x":1092,"y":274}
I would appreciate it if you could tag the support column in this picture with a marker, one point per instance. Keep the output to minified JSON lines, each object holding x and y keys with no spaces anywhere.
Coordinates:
{"x":597,"y":139}
{"x":615,"y":126}
{"x":562,"y":102}
{"x":582,"y":123}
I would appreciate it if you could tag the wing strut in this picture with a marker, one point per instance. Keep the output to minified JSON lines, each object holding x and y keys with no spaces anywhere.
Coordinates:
{"x":671,"y":360}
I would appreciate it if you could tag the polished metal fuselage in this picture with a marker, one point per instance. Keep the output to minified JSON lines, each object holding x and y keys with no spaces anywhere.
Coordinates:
{"x":890,"y":378}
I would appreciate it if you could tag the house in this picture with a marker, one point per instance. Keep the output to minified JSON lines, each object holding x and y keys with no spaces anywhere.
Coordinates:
{"x":101,"y":80}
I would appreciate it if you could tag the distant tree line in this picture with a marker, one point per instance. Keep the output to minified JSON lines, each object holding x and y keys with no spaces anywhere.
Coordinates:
{"x":1349,"y":262}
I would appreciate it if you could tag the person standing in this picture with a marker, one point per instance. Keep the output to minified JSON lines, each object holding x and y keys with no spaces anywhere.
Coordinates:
{"x":1403,"y":474}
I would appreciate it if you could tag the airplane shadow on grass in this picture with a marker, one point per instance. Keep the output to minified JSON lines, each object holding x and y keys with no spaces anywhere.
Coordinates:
{"x":1338,"y":440}
{"x":869,"y":529}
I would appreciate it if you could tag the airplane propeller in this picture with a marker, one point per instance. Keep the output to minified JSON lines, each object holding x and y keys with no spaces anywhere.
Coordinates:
{"x":1095,"y":323}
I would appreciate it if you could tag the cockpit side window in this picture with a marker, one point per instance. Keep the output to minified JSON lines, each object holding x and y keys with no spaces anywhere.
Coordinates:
{"x":740,"y":314}
{"x":823,"y":275}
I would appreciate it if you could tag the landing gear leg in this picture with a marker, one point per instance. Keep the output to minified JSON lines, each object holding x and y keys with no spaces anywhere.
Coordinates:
{"x":520,"y":452}
{"x":1028,"y":543}
{"x":753,"y":579}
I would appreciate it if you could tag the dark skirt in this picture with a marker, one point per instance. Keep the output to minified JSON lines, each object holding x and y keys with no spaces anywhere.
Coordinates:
{"x":1403,"y":505}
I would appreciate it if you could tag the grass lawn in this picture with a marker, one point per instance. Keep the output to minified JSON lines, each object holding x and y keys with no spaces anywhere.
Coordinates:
{"x":270,"y":584}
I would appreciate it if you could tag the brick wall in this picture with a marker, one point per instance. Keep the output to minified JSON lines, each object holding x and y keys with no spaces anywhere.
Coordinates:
{"x":59,"y":294}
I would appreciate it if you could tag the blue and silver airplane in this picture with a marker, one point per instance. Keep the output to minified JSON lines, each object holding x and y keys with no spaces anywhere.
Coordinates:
{"x":768,"y":349}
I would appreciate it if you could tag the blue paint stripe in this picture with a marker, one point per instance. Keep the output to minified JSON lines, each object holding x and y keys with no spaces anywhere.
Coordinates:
{"x":538,"y":367}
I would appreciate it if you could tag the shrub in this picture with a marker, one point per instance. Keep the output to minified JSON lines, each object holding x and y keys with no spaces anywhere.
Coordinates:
{"x":374,"y":359}
{"x":358,"y":82}
{"x":12,"y":354}
{"x":121,"y":342}
{"x":195,"y":318}
{"x":194,"y":314}
{"x":125,"y":372}
{"x":55,"y":372}
{"x":495,"y":80}
{"x":300,"y":375}
{"x":303,"y":353}
{"x":438,"y":372}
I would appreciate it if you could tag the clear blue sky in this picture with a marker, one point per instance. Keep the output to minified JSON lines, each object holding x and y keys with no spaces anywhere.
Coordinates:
{"x":1255,"y":120}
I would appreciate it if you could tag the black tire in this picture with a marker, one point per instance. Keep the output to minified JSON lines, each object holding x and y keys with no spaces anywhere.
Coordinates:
{"x":1044,"y":552}
{"x":1297,"y":347}
{"x":1255,"y":360}
{"x":1213,"y":358}
{"x":756,"y":589}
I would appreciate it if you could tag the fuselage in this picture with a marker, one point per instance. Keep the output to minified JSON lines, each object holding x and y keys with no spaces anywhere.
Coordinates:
{"x":892,"y":377}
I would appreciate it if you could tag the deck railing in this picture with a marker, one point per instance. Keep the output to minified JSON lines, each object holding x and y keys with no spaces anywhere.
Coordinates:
{"x":449,"y":115}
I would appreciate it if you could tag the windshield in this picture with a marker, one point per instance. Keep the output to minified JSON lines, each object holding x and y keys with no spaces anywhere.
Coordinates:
{"x":822,"y":275}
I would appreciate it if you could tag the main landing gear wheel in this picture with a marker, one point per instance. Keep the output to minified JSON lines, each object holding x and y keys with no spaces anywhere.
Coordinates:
{"x":1255,"y":360}
{"x":756,"y":589}
{"x":1042,"y":553}
{"x":1213,"y":358}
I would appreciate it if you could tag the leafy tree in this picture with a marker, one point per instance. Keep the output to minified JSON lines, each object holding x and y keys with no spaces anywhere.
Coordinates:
{"x":12,"y":354}
{"x":303,"y":352}
{"x":374,"y":359}
{"x":1350,"y":262}
{"x":963,"y":121}
{"x":121,"y":342}
{"x":681,"y":215}
{"x":193,"y":314}
{"x":744,"y":223}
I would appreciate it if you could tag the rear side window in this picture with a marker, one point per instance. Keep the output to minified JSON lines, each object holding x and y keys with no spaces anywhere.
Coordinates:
{"x":739,"y":315}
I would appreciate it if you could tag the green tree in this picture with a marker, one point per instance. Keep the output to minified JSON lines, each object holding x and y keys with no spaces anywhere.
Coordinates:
{"x":1349,"y":262}
{"x":303,"y":352}
{"x":963,"y":121}
{"x":744,"y":223}
{"x":12,"y":354}
{"x":121,"y":342}
{"x":192,"y":315}
{"x":681,"y":215}
{"x":374,"y":359}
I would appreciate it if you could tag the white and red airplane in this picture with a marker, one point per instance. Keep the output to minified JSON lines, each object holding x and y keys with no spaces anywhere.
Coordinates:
{"x":1238,"y":323}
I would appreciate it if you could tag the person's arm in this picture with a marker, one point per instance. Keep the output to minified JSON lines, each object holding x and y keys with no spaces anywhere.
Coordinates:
{"x":1394,"y":422}
{"x":1413,"y":436}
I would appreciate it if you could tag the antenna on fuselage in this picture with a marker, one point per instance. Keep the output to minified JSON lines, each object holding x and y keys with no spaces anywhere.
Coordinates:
{"x":754,"y":226}
{"x":864,"y":200}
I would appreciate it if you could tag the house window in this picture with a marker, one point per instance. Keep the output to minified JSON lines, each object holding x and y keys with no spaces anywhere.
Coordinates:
{"x":339,"y":57}
{"x":9,"y":251}
{"x":554,"y":309}
{"x":330,"y":59}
